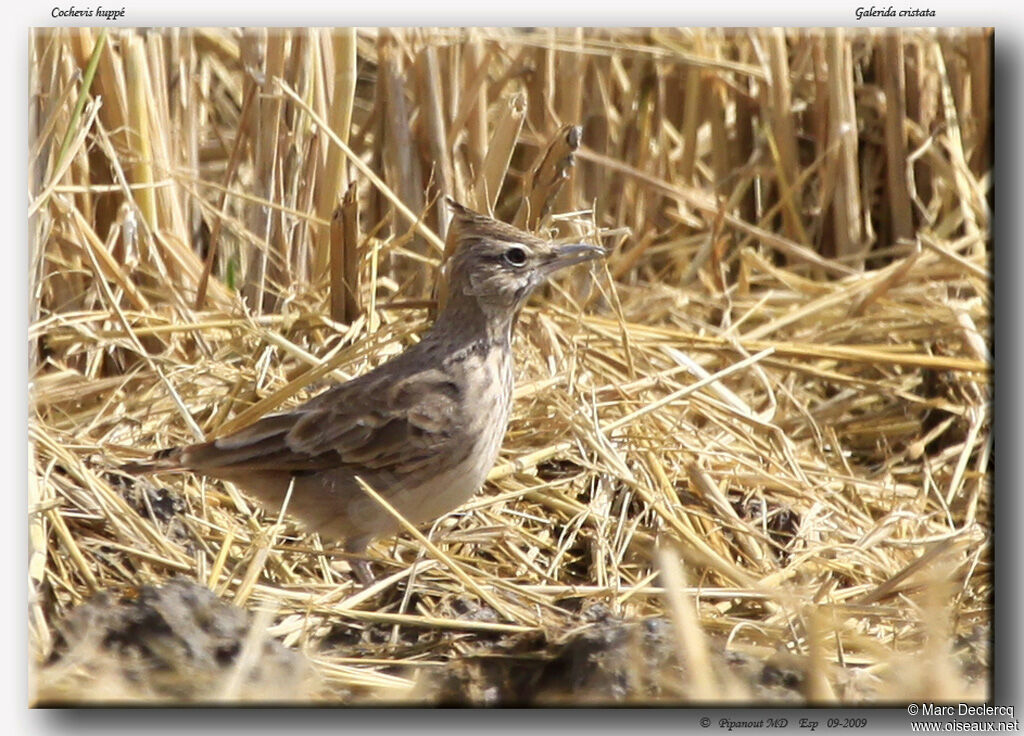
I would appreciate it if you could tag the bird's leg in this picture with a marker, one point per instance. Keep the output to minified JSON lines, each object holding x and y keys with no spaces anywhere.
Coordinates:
{"x":360,"y":567}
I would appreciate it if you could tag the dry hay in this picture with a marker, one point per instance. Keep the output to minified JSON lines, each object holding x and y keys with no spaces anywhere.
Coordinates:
{"x":760,"y":434}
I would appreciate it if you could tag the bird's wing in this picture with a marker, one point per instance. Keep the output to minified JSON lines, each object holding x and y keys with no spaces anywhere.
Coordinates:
{"x":375,"y":422}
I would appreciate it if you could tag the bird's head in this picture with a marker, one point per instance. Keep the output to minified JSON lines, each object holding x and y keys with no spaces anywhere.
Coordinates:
{"x":498,"y":265}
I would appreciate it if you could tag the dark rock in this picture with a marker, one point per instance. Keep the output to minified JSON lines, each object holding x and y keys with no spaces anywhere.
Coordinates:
{"x":178,"y":641}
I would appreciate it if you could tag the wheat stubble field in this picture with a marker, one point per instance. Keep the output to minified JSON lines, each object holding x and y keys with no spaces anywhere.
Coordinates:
{"x":750,"y":456}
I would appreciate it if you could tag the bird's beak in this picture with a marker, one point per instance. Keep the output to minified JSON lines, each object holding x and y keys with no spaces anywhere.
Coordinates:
{"x":569,"y":255}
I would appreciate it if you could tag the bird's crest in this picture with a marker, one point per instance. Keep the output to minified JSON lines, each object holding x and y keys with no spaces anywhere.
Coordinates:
{"x":466,"y":224}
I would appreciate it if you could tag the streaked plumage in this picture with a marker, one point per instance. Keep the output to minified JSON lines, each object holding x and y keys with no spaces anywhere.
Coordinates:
{"x":423,"y":429}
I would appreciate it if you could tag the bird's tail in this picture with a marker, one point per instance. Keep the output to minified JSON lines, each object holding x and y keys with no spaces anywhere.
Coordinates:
{"x":169,"y":459}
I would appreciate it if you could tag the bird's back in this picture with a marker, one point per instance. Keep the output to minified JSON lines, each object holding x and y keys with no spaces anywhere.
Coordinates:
{"x":422,"y":430}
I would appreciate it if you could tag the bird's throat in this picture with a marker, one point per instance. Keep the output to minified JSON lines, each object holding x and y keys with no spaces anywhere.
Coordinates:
{"x":466,"y":321}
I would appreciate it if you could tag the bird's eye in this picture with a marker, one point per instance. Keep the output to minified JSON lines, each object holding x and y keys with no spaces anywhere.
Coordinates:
{"x":515,"y":256}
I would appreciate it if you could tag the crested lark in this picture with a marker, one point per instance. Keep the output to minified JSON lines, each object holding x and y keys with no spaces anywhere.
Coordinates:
{"x":423,"y":429}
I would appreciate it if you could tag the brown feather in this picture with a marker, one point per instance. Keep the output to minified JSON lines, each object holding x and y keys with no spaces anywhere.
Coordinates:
{"x":422,"y":429}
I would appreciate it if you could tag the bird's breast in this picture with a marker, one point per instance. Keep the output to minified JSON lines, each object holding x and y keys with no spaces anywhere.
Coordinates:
{"x":486,"y":397}
{"x":486,"y":380}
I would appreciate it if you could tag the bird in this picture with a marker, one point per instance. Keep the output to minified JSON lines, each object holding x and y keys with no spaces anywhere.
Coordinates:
{"x":422,"y":429}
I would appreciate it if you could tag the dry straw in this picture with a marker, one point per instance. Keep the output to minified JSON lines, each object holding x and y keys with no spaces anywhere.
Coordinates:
{"x":777,"y":390}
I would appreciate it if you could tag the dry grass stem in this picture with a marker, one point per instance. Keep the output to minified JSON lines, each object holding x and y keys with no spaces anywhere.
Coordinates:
{"x":750,"y":455}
